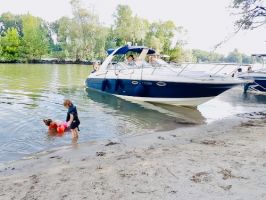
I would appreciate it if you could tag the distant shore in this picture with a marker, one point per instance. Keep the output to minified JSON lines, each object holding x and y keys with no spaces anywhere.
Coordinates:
{"x":49,"y":62}
{"x":222,"y":160}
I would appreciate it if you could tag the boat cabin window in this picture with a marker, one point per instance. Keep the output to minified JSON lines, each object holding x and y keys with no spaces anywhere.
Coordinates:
{"x":133,"y":60}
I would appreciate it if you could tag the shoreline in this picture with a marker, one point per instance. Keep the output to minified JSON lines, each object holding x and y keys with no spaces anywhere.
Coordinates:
{"x":221,"y":160}
{"x":63,"y":62}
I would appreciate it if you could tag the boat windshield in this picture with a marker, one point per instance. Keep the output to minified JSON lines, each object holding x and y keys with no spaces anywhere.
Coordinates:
{"x":157,"y":62}
{"x":140,"y":61}
{"x":125,"y":65}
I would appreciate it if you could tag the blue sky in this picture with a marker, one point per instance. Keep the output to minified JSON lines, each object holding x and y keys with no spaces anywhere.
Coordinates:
{"x":207,"y":21}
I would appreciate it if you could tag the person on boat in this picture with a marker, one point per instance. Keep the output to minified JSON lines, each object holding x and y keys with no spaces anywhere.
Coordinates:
{"x":130,"y":60}
{"x":152,"y":60}
{"x":95,"y":66}
{"x":249,"y":69}
{"x":237,"y":72}
{"x":72,"y":118}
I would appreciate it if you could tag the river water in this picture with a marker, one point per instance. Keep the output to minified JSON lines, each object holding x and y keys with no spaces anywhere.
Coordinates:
{"x":30,"y":93}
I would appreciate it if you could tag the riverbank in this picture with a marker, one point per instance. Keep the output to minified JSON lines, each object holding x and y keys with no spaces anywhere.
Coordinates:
{"x":221,"y":160}
{"x":49,"y":61}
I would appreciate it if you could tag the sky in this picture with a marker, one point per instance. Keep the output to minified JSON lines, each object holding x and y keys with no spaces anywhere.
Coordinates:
{"x":207,"y":22}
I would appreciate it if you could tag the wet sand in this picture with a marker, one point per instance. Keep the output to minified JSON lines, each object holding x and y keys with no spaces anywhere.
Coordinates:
{"x":222,"y":160}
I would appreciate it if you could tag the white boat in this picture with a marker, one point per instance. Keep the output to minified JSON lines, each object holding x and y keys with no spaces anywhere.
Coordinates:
{"x":158,"y":82}
{"x":256,"y":75}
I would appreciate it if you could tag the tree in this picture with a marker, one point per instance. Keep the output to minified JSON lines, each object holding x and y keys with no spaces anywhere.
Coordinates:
{"x":80,"y":37}
{"x":205,"y":56}
{"x":10,"y":44}
{"x":161,"y":33}
{"x":34,"y":41}
{"x":200,"y":55}
{"x":166,"y":31}
{"x":176,"y":54}
{"x":253,"y":13}
{"x":215,"y":57}
{"x":111,"y":40}
{"x":140,"y":29}
{"x":155,"y":43}
{"x":8,"y":20}
{"x":129,"y":28}
{"x":246,"y":59}
{"x":234,"y":57}
{"x":123,"y":25}
{"x":63,"y":30}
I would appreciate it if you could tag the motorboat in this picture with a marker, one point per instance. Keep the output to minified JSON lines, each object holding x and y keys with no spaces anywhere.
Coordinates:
{"x":256,"y":75}
{"x":155,"y":82}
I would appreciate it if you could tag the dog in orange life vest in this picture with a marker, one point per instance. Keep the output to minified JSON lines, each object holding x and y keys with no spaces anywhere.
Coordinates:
{"x":60,"y":127}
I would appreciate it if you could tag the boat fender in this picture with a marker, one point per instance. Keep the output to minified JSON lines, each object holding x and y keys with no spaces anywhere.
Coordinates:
{"x":60,"y":129}
{"x":139,"y":90}
{"x":104,"y":84}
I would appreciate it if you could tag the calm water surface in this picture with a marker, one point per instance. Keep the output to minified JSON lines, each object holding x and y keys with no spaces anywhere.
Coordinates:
{"x":30,"y":93}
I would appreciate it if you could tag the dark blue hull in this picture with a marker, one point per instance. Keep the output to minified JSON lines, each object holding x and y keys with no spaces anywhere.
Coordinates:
{"x":258,"y":85}
{"x":155,"y":89}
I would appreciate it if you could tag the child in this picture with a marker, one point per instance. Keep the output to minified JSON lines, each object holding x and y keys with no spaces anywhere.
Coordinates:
{"x":72,"y":118}
{"x":56,"y":125}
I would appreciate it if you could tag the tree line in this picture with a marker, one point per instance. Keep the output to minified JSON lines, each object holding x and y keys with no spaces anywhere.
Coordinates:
{"x":25,"y":38}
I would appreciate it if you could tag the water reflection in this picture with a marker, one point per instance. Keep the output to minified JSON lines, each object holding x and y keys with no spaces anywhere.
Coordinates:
{"x":232,"y":103}
{"x":236,"y":97}
{"x":254,"y":98}
{"x":147,"y":115}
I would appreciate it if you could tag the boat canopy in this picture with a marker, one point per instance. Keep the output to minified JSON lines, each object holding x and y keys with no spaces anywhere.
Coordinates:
{"x":127,"y":48}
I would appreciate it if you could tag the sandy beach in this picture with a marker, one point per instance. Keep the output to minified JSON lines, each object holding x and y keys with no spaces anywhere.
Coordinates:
{"x":222,"y":160}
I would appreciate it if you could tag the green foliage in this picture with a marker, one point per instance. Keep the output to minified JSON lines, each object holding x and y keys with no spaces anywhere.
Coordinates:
{"x":155,"y":43}
{"x":204,"y":56}
{"x":10,"y":44}
{"x":176,"y":54}
{"x":200,"y":55}
{"x":34,"y":41}
{"x":62,"y":29}
{"x":160,"y":35}
{"x":129,"y":28}
{"x":111,"y":40}
{"x":80,"y":37}
{"x":232,"y":57}
{"x":246,"y":59}
{"x":123,"y":27}
{"x":8,"y":20}
{"x":83,"y":37}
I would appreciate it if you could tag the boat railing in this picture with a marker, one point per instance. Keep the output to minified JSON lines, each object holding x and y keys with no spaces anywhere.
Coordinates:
{"x":182,"y":69}
{"x":201,"y":69}
{"x":211,"y":69}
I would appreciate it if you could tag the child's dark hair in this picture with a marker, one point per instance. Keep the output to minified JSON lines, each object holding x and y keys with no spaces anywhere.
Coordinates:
{"x":131,"y":56}
{"x":47,"y":122}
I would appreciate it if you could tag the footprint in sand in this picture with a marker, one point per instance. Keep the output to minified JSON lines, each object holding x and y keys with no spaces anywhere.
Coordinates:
{"x":100,"y":153}
{"x":201,"y":177}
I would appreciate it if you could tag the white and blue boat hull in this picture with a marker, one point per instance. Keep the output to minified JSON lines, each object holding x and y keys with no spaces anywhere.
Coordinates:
{"x":173,"y":93}
{"x":156,"y":81}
